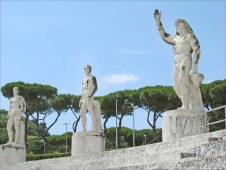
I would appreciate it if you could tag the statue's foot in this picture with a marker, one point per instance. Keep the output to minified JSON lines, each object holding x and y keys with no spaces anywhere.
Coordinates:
{"x":17,"y":145}
{"x":9,"y":144}
{"x":84,"y":131}
{"x":92,"y":130}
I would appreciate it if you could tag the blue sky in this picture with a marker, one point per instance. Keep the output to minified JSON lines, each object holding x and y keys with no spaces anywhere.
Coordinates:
{"x":49,"y":42}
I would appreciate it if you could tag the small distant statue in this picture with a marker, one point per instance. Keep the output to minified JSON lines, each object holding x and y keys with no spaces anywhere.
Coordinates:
{"x":16,"y":109}
{"x":87,"y":102}
{"x":185,"y":44}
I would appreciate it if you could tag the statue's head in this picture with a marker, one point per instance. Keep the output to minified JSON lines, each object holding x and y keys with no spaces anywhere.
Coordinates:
{"x":88,"y":69}
{"x":15,"y":90}
{"x":196,"y":79}
{"x":182,"y":24}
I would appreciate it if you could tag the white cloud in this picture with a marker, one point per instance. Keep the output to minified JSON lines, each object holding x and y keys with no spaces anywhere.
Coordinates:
{"x":133,"y":52}
{"x":120,"y":78}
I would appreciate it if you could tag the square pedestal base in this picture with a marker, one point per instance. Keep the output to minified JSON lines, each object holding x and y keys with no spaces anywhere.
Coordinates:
{"x":86,"y":142}
{"x":10,"y":155}
{"x":183,"y":123}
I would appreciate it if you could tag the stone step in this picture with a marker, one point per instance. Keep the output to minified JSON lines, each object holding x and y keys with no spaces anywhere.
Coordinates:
{"x":212,"y":148}
{"x":188,"y":154}
{"x":218,"y":162}
{"x":212,"y":162}
{"x":141,"y":161}
{"x":141,"y":156}
{"x":212,"y":139}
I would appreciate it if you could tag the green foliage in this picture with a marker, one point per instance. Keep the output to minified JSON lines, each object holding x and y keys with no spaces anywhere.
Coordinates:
{"x":216,"y":116}
{"x":3,"y":124}
{"x":35,"y":145}
{"x":127,"y":137}
{"x":213,"y":94}
{"x":31,"y":157}
{"x":218,"y":94}
{"x":3,"y":118}
{"x":58,"y":142}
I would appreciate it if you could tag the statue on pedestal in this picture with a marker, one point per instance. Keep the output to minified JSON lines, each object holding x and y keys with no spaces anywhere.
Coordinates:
{"x":185,"y":44}
{"x":93,"y":140}
{"x":16,"y":109}
{"x":190,"y":119}
{"x":87,"y":102}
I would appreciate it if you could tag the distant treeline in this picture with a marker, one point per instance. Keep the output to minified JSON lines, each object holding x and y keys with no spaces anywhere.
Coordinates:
{"x":43,"y":100}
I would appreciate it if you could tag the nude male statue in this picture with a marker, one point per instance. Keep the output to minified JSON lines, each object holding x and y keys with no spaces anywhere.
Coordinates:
{"x":87,"y":102}
{"x":16,"y":109}
{"x":185,"y":44}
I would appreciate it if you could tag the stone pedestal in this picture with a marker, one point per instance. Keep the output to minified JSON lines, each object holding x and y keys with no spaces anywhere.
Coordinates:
{"x":10,"y":154}
{"x":86,"y":142}
{"x":183,"y":123}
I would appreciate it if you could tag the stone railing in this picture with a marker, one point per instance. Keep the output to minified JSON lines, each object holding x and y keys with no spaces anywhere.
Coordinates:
{"x":216,"y":122}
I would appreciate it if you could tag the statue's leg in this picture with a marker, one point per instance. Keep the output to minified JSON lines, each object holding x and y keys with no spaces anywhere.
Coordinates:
{"x":17,"y":128}
{"x":83,"y":116}
{"x":92,"y":114}
{"x":176,"y":83}
{"x":185,"y":67}
{"x":9,"y":129}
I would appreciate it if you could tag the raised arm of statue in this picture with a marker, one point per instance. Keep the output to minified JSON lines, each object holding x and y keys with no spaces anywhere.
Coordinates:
{"x":165,"y":36}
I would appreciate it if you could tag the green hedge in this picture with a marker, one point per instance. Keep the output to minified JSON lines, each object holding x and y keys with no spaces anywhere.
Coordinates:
{"x":46,"y":156}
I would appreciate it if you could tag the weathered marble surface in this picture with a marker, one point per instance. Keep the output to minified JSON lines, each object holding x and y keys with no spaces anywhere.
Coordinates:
{"x":183,"y":123}
{"x":164,"y":155}
{"x":12,"y":154}
{"x":86,"y":142}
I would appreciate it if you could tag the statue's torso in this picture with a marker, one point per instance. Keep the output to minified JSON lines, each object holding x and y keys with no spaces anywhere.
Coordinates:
{"x":182,"y":48}
{"x":15,"y":105}
{"x":87,"y":86}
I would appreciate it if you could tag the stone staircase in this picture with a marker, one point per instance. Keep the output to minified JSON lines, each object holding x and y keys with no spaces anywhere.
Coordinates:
{"x":206,"y":151}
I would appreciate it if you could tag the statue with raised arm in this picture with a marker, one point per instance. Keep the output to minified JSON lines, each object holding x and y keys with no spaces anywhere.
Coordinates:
{"x":87,"y":102}
{"x":186,"y":57}
{"x":16,"y":109}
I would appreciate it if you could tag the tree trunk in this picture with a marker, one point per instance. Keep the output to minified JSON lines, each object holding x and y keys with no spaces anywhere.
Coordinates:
{"x":26,"y":122}
{"x":75,"y":124}
{"x":105,"y":123}
{"x":119,"y":130}
{"x":149,"y":120}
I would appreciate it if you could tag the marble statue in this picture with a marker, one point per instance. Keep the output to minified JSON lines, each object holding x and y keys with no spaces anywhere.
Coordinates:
{"x":190,"y":119}
{"x":16,"y":109}
{"x":87,"y":102}
{"x":185,"y":45}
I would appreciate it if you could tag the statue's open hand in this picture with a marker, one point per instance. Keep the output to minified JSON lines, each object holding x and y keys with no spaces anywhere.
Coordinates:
{"x":8,"y":116}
